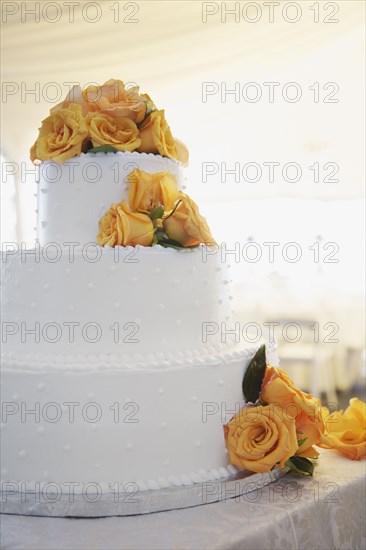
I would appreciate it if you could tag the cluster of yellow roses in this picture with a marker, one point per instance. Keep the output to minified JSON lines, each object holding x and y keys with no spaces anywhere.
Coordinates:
{"x":156,"y":213}
{"x":111,"y":115}
{"x":287,"y":423}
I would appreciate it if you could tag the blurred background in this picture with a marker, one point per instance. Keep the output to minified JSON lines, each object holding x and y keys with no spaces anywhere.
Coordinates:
{"x":269,"y":98}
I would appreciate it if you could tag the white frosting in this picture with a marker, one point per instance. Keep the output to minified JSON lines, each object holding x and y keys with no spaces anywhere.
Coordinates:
{"x":149,"y":408}
{"x":73,"y":196}
{"x":153,"y":427}
{"x":130,"y":301}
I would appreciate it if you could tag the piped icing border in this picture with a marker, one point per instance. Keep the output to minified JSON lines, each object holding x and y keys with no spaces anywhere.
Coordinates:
{"x":211,"y":356}
{"x":163,"y":482}
{"x":127,"y":156}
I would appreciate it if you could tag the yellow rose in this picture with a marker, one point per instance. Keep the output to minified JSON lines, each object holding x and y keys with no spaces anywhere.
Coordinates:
{"x":120,"y":226}
{"x":186,"y":225}
{"x":156,"y":136}
{"x":61,"y":135}
{"x":279,"y":389}
{"x":258,"y":438}
{"x":147,"y":191}
{"x":115,"y":100}
{"x":120,"y":132}
{"x":346,"y":431}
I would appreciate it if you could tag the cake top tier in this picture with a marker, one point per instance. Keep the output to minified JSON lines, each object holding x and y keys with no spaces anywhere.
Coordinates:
{"x":111,"y":117}
{"x":73,"y":197}
{"x":111,"y":172}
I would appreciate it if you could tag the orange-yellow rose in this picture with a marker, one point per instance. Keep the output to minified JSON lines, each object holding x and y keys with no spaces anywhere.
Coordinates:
{"x":186,"y":225}
{"x":156,"y":136}
{"x":120,"y":226}
{"x":182,"y":152}
{"x":279,"y":389}
{"x":147,"y":191}
{"x":113,"y":99}
{"x":75,"y":95}
{"x":346,"y":431}
{"x":258,"y":438}
{"x":308,"y":433}
{"x":120,"y":132}
{"x":61,"y":135}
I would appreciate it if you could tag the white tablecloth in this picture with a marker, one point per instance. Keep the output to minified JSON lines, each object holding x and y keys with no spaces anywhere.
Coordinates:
{"x":323,"y":512}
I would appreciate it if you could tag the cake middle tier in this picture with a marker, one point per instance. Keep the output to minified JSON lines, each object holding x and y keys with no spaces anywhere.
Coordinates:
{"x":90,"y":301}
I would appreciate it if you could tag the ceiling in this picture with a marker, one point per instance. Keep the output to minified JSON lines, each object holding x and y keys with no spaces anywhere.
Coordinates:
{"x":171,"y":52}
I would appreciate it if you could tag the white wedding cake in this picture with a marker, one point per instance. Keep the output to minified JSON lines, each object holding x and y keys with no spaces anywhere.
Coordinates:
{"x":117,"y":365}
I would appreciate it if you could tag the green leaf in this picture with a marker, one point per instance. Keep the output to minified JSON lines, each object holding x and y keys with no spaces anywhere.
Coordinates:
{"x":162,"y":238}
{"x":300,"y":465}
{"x":158,"y":212}
{"x":103,"y":149}
{"x":254,"y":375}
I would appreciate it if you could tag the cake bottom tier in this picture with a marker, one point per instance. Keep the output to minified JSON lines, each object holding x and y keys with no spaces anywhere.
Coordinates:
{"x":101,"y":428}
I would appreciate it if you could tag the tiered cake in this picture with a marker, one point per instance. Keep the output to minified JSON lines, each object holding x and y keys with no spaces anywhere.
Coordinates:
{"x":116,"y":365}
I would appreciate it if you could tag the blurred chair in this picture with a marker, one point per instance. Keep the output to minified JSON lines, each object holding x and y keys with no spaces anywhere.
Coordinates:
{"x":308,"y":361}
{"x":355,"y":364}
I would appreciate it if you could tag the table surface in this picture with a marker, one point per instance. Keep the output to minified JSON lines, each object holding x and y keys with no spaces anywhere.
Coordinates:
{"x":323,"y":512}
